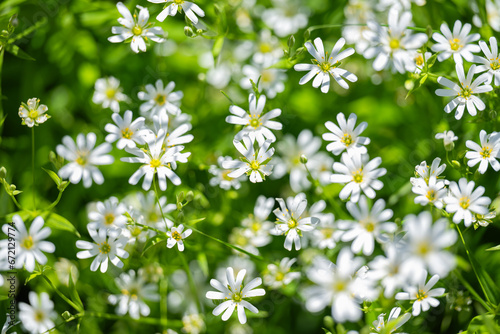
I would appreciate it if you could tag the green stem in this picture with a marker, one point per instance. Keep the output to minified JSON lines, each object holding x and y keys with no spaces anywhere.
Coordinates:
{"x":56,"y":201}
{"x":163,"y":301}
{"x":155,"y":181}
{"x":66,"y":299}
{"x":472,"y":291}
{"x":148,"y":320}
{"x":33,"y":164}
{"x":472,"y":262}
{"x":192,"y":284}
{"x":1,"y":96}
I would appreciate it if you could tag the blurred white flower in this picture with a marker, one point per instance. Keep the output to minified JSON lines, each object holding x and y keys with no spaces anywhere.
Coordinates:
{"x":491,"y":62}
{"x":176,"y":236}
{"x":160,"y":98}
{"x":324,"y":64}
{"x":38,"y":316}
{"x":280,"y":275}
{"x":128,"y":133}
{"x":253,"y":163}
{"x":286,"y":17}
{"x":448,"y":139}
{"x":193,"y":323}
{"x":420,"y":60}
{"x":387,"y":269}
{"x":257,"y":224}
{"x":464,"y":94}
{"x":134,"y":291}
{"x":394,"y":321}
{"x":33,"y":113}
{"x":135,"y":28}
{"x":359,"y":174}
{"x":431,"y":192}
{"x":234,"y":293}
{"x":459,"y":43}
{"x":425,"y":172}
{"x":485,"y":154}
{"x":221,"y":176}
{"x":270,"y":80}
{"x":29,"y":244}
{"x":291,"y":220}
{"x":393,"y":46}
{"x":108,"y":93}
{"x":463,"y":200}
{"x":256,"y":124}
{"x":83,"y":159}
{"x":108,"y":215}
{"x":345,"y":136}
{"x":189,"y":8}
{"x":422,"y":294}
{"x":104,"y":249}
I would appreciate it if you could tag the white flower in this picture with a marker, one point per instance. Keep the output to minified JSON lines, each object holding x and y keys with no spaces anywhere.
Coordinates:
{"x":345,"y":136}
{"x":257,"y":225}
{"x":270,"y":80}
{"x":457,"y":43}
{"x":484,"y":154}
{"x":285,"y":17}
{"x":420,"y":60}
{"x":491,"y":62}
{"x":280,"y":275}
{"x":343,"y":286}
{"x":326,"y":234}
{"x":424,"y":245}
{"x":176,"y":236}
{"x":33,"y":113}
{"x":156,"y":160}
{"x":431,"y":192}
{"x":159,"y":98}
{"x":483,"y":220}
{"x":9,"y":323}
{"x":425,"y":172}
{"x":359,"y":174}
{"x":104,"y":249}
{"x":387,"y":269}
{"x":394,"y":321}
{"x":369,"y":225}
{"x":37,"y":316}
{"x":464,"y":200}
{"x":136,"y":28}
{"x":268,"y":49}
{"x":108,"y":215}
{"x":357,"y":13}
{"x":108,"y":93}
{"x":253,"y":163}
{"x":464,"y":95}
{"x":175,"y":128}
{"x":189,"y":8}
{"x":29,"y":244}
{"x":291,"y":150}
{"x":395,"y":45}
{"x":127,"y":133}
{"x":324,"y":64}
{"x":193,"y":324}
{"x":221,"y":177}
{"x":422,"y":294}
{"x":448,"y":139}
{"x":493,"y":14}
{"x":292,"y":222}
{"x":83,"y":159}
{"x":134,"y":291}
{"x":256,"y":125}
{"x":234,"y":293}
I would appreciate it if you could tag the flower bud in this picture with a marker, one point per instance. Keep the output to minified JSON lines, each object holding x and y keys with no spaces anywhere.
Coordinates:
{"x":3,"y":172}
{"x":303,"y":159}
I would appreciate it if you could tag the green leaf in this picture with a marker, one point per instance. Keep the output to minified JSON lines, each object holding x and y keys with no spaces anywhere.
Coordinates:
{"x":153,"y":241}
{"x":217,"y":48}
{"x":16,"y":51}
{"x":30,"y":277}
{"x":73,"y":293}
{"x":202,"y":261}
{"x":285,"y":64}
{"x":196,"y":221}
{"x":484,"y":323}
{"x":24,"y":214}
{"x":496,"y":248}
{"x":58,"y":222}
{"x":53,"y":176}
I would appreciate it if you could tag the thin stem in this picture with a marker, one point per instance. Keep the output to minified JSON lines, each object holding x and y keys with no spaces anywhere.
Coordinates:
{"x":158,"y":199}
{"x":1,"y":97}
{"x":163,"y":301}
{"x":56,"y":201}
{"x":33,"y":164}
{"x":66,"y":299}
{"x":472,"y":262}
{"x":192,"y":284}
{"x":472,"y":291}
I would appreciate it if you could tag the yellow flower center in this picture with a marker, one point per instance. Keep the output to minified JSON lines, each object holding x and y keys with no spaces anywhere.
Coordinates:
{"x":160,"y":99}
{"x":110,"y":93}
{"x":176,"y":236}
{"x":486,"y":152}
{"x":292,"y":223}
{"x":256,"y":226}
{"x":346,"y":139}
{"x":33,"y":113}
{"x":358,"y":176}
{"x":339,"y":286}
{"x":104,"y":248}
{"x":109,"y":219}
{"x":267,"y":76}
{"x":137,"y":30}
{"x":39,"y":316}
{"x":280,"y":276}
{"x":136,"y":231}
{"x":155,"y":163}
{"x":254,"y":121}
{"x":431,"y":195}
{"x":455,"y":44}
{"x":421,"y":295}
{"x":127,"y":133}
{"x":368,"y":225}
{"x":465,"y":92}
{"x":178,"y":2}
{"x":82,"y":159}
{"x":423,"y":248}
{"x":225,"y":175}
{"x":419,"y":60}
{"x":394,"y":43}
{"x":464,"y":202}
{"x":255,"y":165}
{"x":265,"y":47}
{"x":327,"y":232}
{"x":236,"y":297}
{"x":494,"y":64}
{"x":27,"y":242}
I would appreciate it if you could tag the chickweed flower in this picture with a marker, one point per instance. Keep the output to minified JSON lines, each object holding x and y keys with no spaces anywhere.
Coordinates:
{"x":221,"y":176}
{"x":491,"y":62}
{"x":108,"y":93}
{"x":394,"y":321}
{"x":190,"y":9}
{"x":425,"y":171}
{"x":160,"y":98}
{"x":346,"y":136}
{"x":108,"y":215}
{"x":128,"y":133}
{"x":485,"y":154}
{"x":33,"y":113}
{"x":459,"y":43}
{"x":280,"y":275}
{"x":324,"y":64}
{"x":431,"y":192}
{"x":465,"y":93}
{"x":176,"y":236}
{"x":448,"y":139}
{"x":37,"y":316}
{"x":234,"y":294}
{"x":137,"y":29}
{"x":463,"y":200}
{"x":422,"y":294}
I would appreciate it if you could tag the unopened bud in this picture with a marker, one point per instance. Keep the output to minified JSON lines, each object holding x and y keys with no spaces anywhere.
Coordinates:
{"x":66,"y":315}
{"x":3,"y":173}
{"x":189,"y":196}
{"x":456,"y":164}
{"x":303,"y":159}
{"x":291,"y":41}
{"x":493,"y":114}
{"x":63,"y":185}
{"x":188,"y":31}
{"x":449,"y":146}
